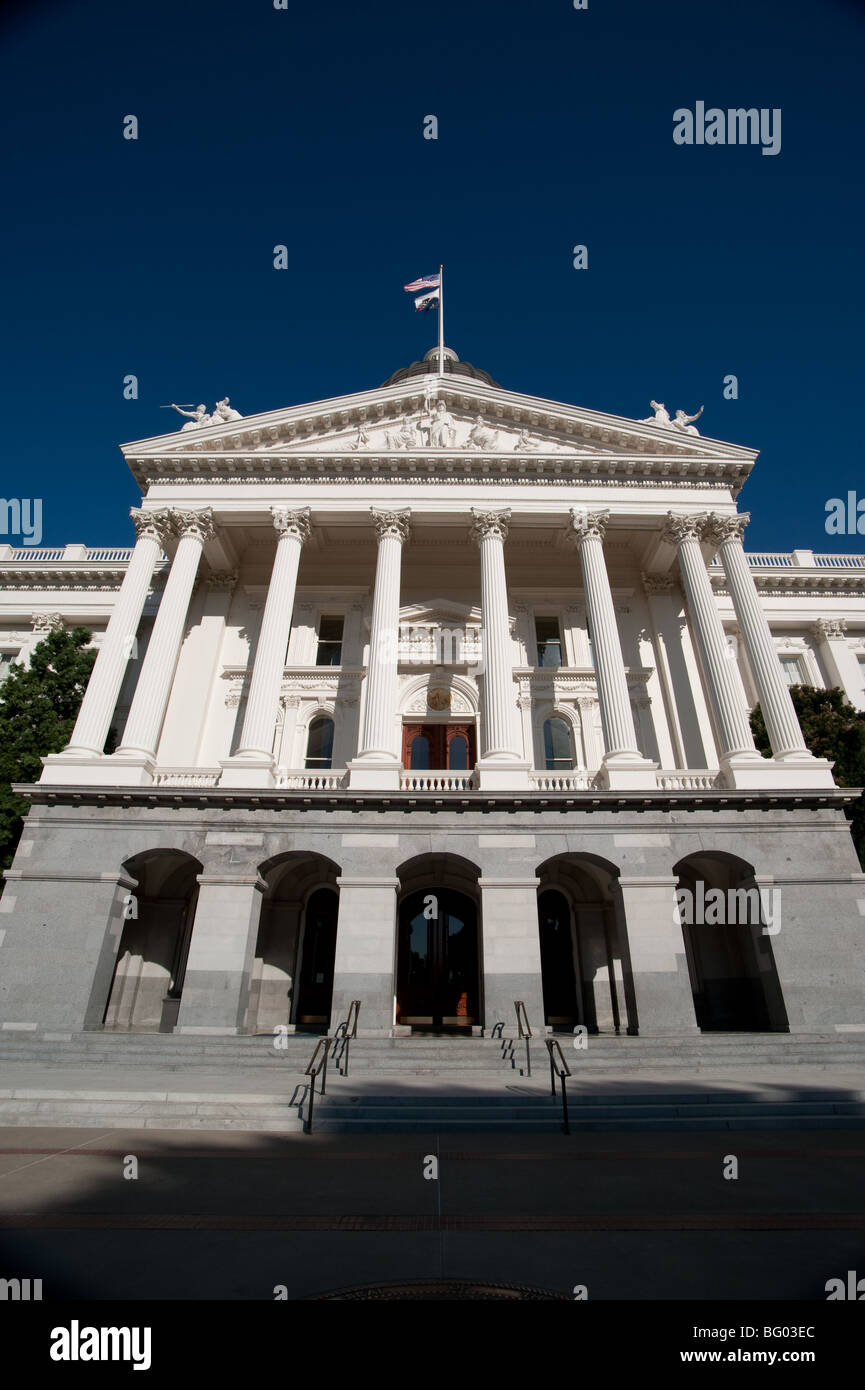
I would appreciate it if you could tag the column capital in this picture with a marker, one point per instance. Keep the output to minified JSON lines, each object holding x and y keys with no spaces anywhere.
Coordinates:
{"x":486,"y":524}
{"x":726,"y":528}
{"x":830,"y":629}
{"x":679,"y":527}
{"x":394,"y":525}
{"x":654,"y":584}
{"x":155,"y":526}
{"x":197,"y":523}
{"x":292,"y":523}
{"x":221,"y":580}
{"x":584,"y":524}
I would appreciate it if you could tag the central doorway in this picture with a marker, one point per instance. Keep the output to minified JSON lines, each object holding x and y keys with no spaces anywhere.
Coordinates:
{"x":437,"y":961}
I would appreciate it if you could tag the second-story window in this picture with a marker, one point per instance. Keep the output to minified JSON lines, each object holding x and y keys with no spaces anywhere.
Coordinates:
{"x":319,"y":744}
{"x":792,"y":668}
{"x":329,"y":649}
{"x":549,"y":639}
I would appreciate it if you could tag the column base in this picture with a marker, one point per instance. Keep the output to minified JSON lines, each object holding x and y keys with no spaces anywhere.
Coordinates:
{"x":247,"y":772}
{"x":99,"y":770}
{"x":625,"y":772}
{"x":502,"y":775}
{"x":750,"y":771}
{"x":374,"y":775}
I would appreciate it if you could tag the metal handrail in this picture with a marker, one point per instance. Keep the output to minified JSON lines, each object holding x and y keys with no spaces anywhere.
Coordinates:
{"x":525,"y":1031}
{"x":316,"y":1064}
{"x":348,"y":1030}
{"x":552,"y":1044}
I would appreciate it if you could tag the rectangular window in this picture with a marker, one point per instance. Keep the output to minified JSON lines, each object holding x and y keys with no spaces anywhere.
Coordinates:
{"x":6,"y":660}
{"x":329,"y":651}
{"x":792,"y":668}
{"x":549,"y":639}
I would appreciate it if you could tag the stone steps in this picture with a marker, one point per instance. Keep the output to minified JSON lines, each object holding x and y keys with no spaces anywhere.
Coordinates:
{"x":355,"y":1112}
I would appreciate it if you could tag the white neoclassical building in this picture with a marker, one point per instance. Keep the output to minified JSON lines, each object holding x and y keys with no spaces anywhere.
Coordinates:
{"x":436,"y":696}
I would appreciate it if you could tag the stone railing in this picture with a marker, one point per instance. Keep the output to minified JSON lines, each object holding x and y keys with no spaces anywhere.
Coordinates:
{"x":578,"y":780}
{"x":685,"y":781}
{"x":437,"y":782}
{"x":310,"y":779}
{"x":187,"y":776}
{"x":117,"y":554}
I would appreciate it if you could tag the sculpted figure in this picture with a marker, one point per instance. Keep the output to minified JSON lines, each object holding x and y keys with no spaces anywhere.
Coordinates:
{"x":660,"y":417}
{"x":403,"y":438}
{"x":223,"y":412}
{"x":481,"y":436}
{"x":197,"y":418}
{"x":362,"y":438}
{"x":442,"y":430}
{"x":524,"y":443}
{"x":685,"y":423}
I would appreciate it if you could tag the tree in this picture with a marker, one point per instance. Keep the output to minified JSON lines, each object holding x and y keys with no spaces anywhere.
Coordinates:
{"x":38,"y":707}
{"x":832,"y":729}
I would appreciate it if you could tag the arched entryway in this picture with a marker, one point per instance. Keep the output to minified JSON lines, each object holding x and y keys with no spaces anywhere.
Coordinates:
{"x":585,"y":969}
{"x":151,"y":959}
{"x":438,"y":967}
{"x":292,"y":982}
{"x":729,"y":951}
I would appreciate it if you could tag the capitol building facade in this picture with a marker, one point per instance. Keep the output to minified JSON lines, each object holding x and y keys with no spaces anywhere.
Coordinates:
{"x":436,"y":697}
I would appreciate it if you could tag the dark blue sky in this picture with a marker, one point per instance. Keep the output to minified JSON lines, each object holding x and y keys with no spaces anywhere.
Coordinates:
{"x":304,"y":127}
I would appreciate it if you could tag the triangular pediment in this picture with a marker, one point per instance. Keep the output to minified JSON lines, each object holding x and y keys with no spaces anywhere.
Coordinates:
{"x":434,"y":415}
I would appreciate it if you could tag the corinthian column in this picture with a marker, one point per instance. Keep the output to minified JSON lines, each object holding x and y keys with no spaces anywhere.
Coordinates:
{"x":736,"y":748}
{"x":144,"y":725}
{"x":100,"y":697}
{"x":377,"y":764}
{"x":252,"y":765}
{"x":502,"y":765}
{"x":623,"y":765}
{"x":788,"y":744}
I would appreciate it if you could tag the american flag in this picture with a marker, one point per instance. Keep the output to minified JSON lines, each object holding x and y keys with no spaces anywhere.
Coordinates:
{"x":426,"y":282}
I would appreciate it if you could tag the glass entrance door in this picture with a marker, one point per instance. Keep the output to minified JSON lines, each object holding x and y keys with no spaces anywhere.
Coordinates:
{"x":437,"y":961}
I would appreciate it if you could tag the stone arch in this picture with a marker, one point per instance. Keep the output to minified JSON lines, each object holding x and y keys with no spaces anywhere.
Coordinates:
{"x":147,"y":983}
{"x":728,"y":946}
{"x":585,"y":962}
{"x":292,"y":935}
{"x":439,"y":953}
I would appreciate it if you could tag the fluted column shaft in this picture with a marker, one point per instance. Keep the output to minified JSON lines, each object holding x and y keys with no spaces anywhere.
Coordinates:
{"x":731,"y":719}
{"x":106,"y":678}
{"x":490,"y":531}
{"x":150,"y":701}
{"x":782,"y":725}
{"x":261,"y":709}
{"x":376,"y":739}
{"x":617,"y":720}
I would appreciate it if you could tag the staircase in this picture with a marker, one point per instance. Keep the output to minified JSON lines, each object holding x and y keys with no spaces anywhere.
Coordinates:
{"x":432,"y":1084}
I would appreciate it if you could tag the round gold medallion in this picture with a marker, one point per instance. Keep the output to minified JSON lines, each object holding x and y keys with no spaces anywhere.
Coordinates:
{"x":439,"y":699}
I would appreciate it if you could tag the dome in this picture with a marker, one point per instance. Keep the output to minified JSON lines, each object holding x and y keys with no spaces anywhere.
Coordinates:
{"x":430,"y":364}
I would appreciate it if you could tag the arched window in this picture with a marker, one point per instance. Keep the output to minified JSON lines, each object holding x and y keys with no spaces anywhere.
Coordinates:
{"x":558,"y":748}
{"x":319,"y":744}
{"x":458,"y":753}
{"x":420,"y":752}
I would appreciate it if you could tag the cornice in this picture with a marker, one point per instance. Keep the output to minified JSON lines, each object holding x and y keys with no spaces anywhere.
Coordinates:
{"x":402,"y":803}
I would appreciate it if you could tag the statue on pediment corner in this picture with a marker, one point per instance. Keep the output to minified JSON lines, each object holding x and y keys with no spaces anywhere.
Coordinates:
{"x":198,"y":417}
{"x":660,"y":417}
{"x":685,"y":423}
{"x":223,"y":412}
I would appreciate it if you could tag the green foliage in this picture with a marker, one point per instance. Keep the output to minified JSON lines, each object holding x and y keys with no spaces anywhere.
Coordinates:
{"x":38,"y":706}
{"x":832,"y":729}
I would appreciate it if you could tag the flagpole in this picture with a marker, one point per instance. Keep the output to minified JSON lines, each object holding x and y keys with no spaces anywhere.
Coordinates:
{"x":441,"y":321}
